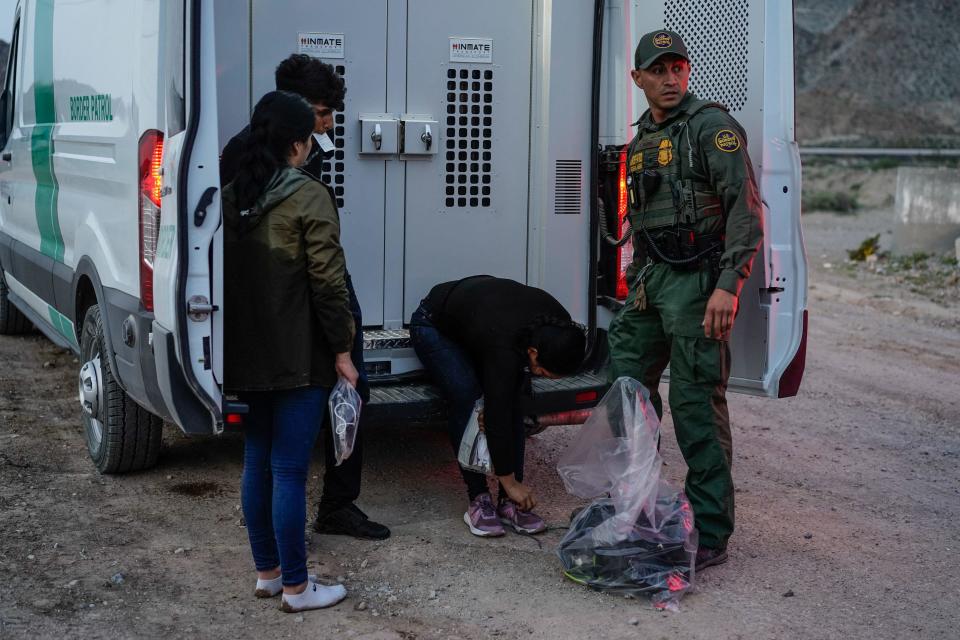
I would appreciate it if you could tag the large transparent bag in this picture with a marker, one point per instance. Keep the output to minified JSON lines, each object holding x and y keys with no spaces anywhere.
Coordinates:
{"x":637,"y":536}
{"x":344,"y":405}
{"x":474,"y":454}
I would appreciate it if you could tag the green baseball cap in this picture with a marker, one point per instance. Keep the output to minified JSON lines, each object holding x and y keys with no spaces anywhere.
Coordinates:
{"x":655,"y":44}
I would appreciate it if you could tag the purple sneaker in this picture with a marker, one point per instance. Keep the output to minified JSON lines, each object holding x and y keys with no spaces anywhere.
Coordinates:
{"x":481,"y":517}
{"x":521,"y":521}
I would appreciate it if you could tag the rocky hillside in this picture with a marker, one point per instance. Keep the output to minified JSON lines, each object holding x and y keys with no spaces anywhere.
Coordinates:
{"x":878,"y":72}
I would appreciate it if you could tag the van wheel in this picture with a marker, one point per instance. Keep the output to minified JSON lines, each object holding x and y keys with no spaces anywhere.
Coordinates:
{"x":12,"y":321}
{"x":121,"y":435}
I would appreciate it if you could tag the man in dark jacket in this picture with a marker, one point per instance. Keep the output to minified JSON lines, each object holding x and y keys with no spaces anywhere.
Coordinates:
{"x":324,"y":89}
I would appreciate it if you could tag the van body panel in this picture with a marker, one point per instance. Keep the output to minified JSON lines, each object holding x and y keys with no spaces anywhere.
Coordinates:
{"x":358,"y":180}
{"x":558,"y":259}
{"x":742,"y":56}
{"x":69,"y":215}
{"x":198,"y":177}
{"x":466,"y":196}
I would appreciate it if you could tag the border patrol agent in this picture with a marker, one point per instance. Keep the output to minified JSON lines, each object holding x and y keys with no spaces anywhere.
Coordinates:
{"x":696,"y":219}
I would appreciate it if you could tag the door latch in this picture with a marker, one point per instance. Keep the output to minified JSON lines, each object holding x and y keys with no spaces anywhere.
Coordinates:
{"x":427,"y":137}
{"x":416,"y":135}
{"x":199,"y":308}
{"x":200,"y":213}
{"x":378,"y":133}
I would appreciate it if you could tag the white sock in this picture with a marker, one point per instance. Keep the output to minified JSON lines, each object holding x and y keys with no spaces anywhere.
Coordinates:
{"x":315,"y":596}
{"x":270,"y":588}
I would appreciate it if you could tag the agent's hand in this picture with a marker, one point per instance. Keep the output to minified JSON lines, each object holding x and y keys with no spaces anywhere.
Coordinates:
{"x":480,"y":423}
{"x":345,"y":369}
{"x":518,"y":492}
{"x":721,"y":310}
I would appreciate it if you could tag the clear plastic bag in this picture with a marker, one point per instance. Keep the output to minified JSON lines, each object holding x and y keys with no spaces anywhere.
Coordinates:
{"x":344,"y":405}
{"x":474,"y":454}
{"x":637,"y":536}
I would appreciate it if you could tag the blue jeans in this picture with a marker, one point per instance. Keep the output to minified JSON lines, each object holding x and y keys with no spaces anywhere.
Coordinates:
{"x":452,"y":369}
{"x":279,"y":435}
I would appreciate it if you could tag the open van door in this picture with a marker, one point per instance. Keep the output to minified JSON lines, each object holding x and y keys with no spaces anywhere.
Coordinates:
{"x":187,"y":281}
{"x":741,"y":56}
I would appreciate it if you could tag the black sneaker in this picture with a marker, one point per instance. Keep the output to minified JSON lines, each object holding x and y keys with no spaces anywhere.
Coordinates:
{"x":709,"y":556}
{"x":349,"y":521}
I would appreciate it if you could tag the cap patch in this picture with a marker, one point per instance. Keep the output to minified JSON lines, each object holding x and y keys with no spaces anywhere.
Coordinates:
{"x":662,"y":40}
{"x":727,"y":141}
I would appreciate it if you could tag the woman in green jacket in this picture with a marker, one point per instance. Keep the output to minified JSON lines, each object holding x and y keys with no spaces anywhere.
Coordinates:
{"x":289,"y":332}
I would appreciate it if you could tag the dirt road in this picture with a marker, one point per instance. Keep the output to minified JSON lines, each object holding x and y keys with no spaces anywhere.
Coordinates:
{"x":848,"y":505}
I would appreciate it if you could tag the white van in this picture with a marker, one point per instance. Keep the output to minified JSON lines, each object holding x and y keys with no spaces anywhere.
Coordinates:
{"x":478,"y":137}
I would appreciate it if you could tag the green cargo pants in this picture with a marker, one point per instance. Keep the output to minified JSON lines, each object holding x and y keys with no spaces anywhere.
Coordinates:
{"x":669,"y":331}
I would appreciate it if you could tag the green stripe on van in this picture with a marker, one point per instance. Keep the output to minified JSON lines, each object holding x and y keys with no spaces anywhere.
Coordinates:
{"x":41,"y":140}
{"x":63,"y":325}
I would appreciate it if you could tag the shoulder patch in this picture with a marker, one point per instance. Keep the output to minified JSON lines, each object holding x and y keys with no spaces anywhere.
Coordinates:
{"x":727,"y":141}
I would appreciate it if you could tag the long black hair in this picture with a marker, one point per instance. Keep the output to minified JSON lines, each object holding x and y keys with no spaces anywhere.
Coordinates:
{"x":561,"y":344}
{"x":279,"y":119}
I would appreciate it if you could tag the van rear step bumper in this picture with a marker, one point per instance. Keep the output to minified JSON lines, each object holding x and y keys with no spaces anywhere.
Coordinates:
{"x":421,"y":401}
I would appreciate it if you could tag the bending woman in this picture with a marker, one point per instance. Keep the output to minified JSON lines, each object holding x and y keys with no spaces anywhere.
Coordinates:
{"x":483,"y":336}
{"x":289,"y":332}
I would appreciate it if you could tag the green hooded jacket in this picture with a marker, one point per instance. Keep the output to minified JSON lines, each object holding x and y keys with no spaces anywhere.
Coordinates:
{"x":286,"y":304}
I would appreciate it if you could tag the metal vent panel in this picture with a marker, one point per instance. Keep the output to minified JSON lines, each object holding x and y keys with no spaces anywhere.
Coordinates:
{"x":717,"y":36}
{"x":333,"y":169}
{"x":469,"y":137}
{"x":568,"y":192}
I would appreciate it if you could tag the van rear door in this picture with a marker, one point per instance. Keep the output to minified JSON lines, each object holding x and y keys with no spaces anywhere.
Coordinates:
{"x":187,"y":268}
{"x":742,"y":56}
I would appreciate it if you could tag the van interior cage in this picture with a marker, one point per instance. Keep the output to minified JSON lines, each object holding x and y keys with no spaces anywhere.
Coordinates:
{"x":716,"y":34}
{"x":469,"y":127}
{"x":332,"y":171}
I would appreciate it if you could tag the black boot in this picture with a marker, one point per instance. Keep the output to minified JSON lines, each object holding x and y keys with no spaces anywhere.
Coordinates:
{"x":348,"y":520}
{"x":710,"y":556}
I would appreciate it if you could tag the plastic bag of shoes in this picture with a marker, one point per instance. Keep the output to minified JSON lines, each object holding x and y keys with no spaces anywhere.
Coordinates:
{"x":344,"y":405}
{"x":640,"y":539}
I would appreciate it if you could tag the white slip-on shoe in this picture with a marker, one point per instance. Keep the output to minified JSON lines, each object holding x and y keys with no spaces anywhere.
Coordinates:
{"x":315,"y":596}
{"x":271,"y":588}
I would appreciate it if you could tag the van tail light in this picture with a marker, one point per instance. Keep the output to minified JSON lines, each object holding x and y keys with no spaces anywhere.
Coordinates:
{"x":151,"y":184}
{"x":624,"y":251}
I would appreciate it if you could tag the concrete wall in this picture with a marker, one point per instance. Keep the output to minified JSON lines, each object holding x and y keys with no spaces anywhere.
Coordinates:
{"x":927,"y":210}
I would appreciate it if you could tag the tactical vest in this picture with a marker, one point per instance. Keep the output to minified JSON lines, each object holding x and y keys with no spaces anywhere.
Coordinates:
{"x":672,"y":203}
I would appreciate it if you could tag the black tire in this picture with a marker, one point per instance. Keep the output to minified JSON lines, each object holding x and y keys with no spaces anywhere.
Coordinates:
{"x":12,"y":321}
{"x":123,"y":436}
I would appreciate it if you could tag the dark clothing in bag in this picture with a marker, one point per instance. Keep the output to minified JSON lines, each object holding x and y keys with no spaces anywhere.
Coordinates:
{"x":285,"y":290}
{"x":489,"y":318}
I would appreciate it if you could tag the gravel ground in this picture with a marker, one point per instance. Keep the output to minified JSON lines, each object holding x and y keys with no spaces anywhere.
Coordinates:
{"x":847,"y":507}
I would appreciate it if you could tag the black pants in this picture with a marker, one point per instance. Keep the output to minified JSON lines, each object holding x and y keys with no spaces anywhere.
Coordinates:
{"x":341,"y":485}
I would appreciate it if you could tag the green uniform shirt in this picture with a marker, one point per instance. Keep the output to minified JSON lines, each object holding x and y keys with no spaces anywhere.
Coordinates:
{"x":712,"y":150}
